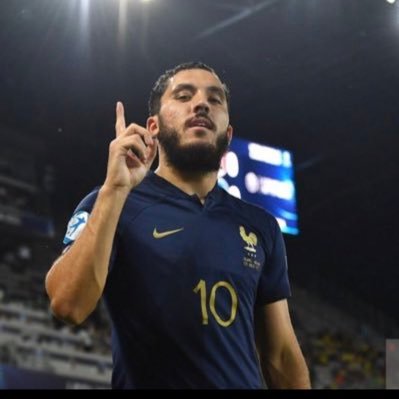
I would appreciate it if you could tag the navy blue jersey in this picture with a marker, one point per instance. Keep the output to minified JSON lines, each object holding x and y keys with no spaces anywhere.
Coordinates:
{"x":184,"y":279}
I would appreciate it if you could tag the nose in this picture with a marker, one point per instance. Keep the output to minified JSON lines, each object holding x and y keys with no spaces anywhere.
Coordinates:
{"x":201,"y":104}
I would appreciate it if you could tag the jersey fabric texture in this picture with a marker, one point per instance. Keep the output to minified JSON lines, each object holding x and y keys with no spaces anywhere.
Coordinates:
{"x":184,"y":279}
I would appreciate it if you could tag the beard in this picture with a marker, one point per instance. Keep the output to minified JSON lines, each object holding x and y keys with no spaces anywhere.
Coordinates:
{"x":194,"y":158}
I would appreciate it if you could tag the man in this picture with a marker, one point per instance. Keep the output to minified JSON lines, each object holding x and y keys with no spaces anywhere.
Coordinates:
{"x":194,"y":279}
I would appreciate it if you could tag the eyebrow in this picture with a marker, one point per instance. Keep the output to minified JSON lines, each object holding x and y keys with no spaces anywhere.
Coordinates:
{"x":210,"y":89}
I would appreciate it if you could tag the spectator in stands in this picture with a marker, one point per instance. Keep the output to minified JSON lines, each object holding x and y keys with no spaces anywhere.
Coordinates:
{"x":191,"y":276}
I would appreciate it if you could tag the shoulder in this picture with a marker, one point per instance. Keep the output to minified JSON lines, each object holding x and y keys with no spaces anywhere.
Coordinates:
{"x":254,"y":219}
{"x":255,"y":214}
{"x":143,"y":196}
{"x":140,"y":197}
{"x":87,"y":203}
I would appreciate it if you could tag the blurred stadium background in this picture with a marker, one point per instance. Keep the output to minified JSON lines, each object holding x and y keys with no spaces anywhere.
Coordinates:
{"x":316,"y":77}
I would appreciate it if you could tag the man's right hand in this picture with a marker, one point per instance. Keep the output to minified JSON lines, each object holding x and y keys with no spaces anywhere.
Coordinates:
{"x":131,"y":154}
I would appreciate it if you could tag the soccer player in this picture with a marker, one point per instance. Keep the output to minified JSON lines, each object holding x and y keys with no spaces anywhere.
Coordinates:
{"x":195,"y":280}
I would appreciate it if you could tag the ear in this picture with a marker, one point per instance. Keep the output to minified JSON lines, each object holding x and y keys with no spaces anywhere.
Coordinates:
{"x":229,"y":133}
{"x":152,"y":125}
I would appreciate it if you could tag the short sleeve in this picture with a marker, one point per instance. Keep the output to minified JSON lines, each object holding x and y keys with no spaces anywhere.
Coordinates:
{"x":79,"y":219}
{"x":274,"y":282}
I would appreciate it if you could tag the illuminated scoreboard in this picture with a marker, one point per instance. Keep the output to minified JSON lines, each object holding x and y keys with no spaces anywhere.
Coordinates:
{"x":264,"y":176}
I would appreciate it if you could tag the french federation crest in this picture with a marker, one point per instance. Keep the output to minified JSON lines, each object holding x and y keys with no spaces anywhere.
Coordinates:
{"x":251,"y":241}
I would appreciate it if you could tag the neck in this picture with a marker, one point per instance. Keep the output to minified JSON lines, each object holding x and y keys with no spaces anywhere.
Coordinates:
{"x":198,"y":183}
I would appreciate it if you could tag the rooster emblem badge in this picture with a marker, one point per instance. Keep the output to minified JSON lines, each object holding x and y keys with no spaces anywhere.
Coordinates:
{"x":250,"y":239}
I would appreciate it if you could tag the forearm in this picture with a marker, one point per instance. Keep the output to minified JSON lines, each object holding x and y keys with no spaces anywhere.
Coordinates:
{"x":76,"y":280}
{"x":288,"y":371}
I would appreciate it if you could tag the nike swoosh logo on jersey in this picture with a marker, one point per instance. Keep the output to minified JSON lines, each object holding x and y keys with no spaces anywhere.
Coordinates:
{"x":157,"y":234}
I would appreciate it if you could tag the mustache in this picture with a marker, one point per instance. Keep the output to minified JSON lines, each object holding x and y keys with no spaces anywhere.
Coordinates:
{"x":200,"y":118}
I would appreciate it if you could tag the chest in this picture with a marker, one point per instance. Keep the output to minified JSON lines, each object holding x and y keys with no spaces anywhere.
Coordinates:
{"x":172,"y":241}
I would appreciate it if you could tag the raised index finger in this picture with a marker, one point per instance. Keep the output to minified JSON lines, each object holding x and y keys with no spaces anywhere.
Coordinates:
{"x":120,"y":124}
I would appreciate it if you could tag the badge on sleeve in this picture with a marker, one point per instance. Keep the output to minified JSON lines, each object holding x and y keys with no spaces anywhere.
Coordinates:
{"x":75,"y":226}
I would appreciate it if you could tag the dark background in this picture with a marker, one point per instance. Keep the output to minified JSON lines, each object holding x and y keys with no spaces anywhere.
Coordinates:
{"x":317,"y":77}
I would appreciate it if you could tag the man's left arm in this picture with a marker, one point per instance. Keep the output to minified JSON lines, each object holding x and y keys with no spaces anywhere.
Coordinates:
{"x":282,"y":362}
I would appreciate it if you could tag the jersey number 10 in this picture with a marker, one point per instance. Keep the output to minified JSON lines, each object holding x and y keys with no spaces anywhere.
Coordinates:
{"x":201,"y":289}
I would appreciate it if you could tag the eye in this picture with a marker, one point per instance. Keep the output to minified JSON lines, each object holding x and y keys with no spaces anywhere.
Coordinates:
{"x":183,"y":97}
{"x":215,"y":100}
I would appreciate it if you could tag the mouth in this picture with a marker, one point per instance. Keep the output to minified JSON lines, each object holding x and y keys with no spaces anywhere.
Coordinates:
{"x":201,"y":122}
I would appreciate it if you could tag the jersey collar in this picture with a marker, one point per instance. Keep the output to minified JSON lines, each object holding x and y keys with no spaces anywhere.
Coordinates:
{"x":171,"y":189}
